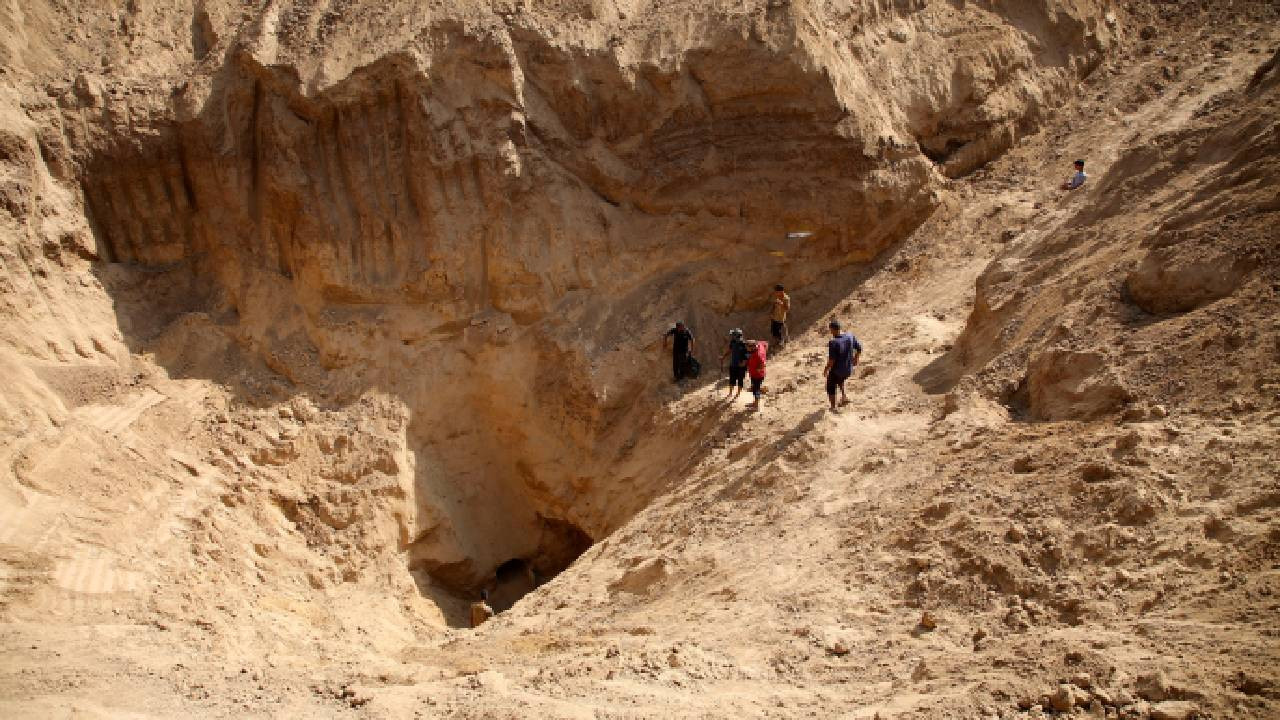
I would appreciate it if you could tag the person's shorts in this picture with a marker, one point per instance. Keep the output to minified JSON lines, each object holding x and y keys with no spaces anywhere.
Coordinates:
{"x":775,"y":328}
{"x":834,"y":381}
{"x":756,"y":384}
{"x":737,"y":375}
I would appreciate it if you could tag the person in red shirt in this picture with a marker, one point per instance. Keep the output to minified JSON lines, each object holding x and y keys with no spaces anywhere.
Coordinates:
{"x":758,"y":351}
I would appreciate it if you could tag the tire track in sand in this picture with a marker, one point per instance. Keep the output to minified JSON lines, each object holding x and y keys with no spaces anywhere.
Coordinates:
{"x":115,"y":419}
{"x":15,"y":520}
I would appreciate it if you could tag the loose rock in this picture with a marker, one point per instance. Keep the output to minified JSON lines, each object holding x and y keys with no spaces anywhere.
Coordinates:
{"x":1174,"y":710}
{"x":1063,"y":699}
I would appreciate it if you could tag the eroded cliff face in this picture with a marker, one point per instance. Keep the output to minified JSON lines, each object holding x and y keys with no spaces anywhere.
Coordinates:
{"x":483,"y":219}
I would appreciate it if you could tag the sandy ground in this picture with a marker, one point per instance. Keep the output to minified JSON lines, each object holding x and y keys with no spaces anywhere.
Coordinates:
{"x":969,"y":537}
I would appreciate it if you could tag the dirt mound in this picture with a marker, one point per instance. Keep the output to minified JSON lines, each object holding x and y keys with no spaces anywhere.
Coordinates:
{"x":1171,"y":247}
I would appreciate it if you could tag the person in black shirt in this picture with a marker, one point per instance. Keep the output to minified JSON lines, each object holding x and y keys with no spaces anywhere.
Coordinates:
{"x":681,"y":349}
{"x":736,"y":351}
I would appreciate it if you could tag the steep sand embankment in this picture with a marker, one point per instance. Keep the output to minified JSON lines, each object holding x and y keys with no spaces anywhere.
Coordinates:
{"x":320,"y":318}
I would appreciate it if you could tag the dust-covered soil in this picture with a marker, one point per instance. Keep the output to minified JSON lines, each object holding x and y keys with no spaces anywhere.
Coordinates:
{"x":320,"y":318}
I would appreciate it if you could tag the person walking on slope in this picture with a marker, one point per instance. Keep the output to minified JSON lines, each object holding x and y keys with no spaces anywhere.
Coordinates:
{"x":736,"y":351}
{"x":681,"y":349}
{"x":1078,"y":179}
{"x":758,"y":351}
{"x":843,"y":351}
{"x":779,"y":306}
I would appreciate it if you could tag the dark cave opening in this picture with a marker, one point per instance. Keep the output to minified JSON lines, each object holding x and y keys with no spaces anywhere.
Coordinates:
{"x":561,"y":544}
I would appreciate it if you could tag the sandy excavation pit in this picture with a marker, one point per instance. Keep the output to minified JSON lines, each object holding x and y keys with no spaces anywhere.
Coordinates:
{"x":474,"y":239}
{"x":318,"y":318}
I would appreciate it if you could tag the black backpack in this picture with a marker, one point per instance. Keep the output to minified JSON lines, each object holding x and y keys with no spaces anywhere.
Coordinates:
{"x":694,"y":367}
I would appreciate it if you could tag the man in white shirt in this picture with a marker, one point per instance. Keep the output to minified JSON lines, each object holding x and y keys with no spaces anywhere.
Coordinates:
{"x":1078,"y":179}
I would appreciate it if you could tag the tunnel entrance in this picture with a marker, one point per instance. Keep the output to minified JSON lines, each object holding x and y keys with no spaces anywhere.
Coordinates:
{"x":558,"y":544}
{"x":512,"y":580}
{"x":561,"y":543}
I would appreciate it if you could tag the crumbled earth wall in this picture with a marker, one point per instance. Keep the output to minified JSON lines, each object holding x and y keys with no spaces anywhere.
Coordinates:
{"x":478,"y":213}
{"x":317,"y":317}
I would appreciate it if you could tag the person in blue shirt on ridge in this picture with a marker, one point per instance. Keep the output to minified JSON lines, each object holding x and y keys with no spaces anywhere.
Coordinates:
{"x":1078,"y":179}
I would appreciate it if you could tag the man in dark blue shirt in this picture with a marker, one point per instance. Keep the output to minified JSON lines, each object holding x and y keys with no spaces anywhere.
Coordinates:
{"x":843,"y":351}
{"x":681,"y":349}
